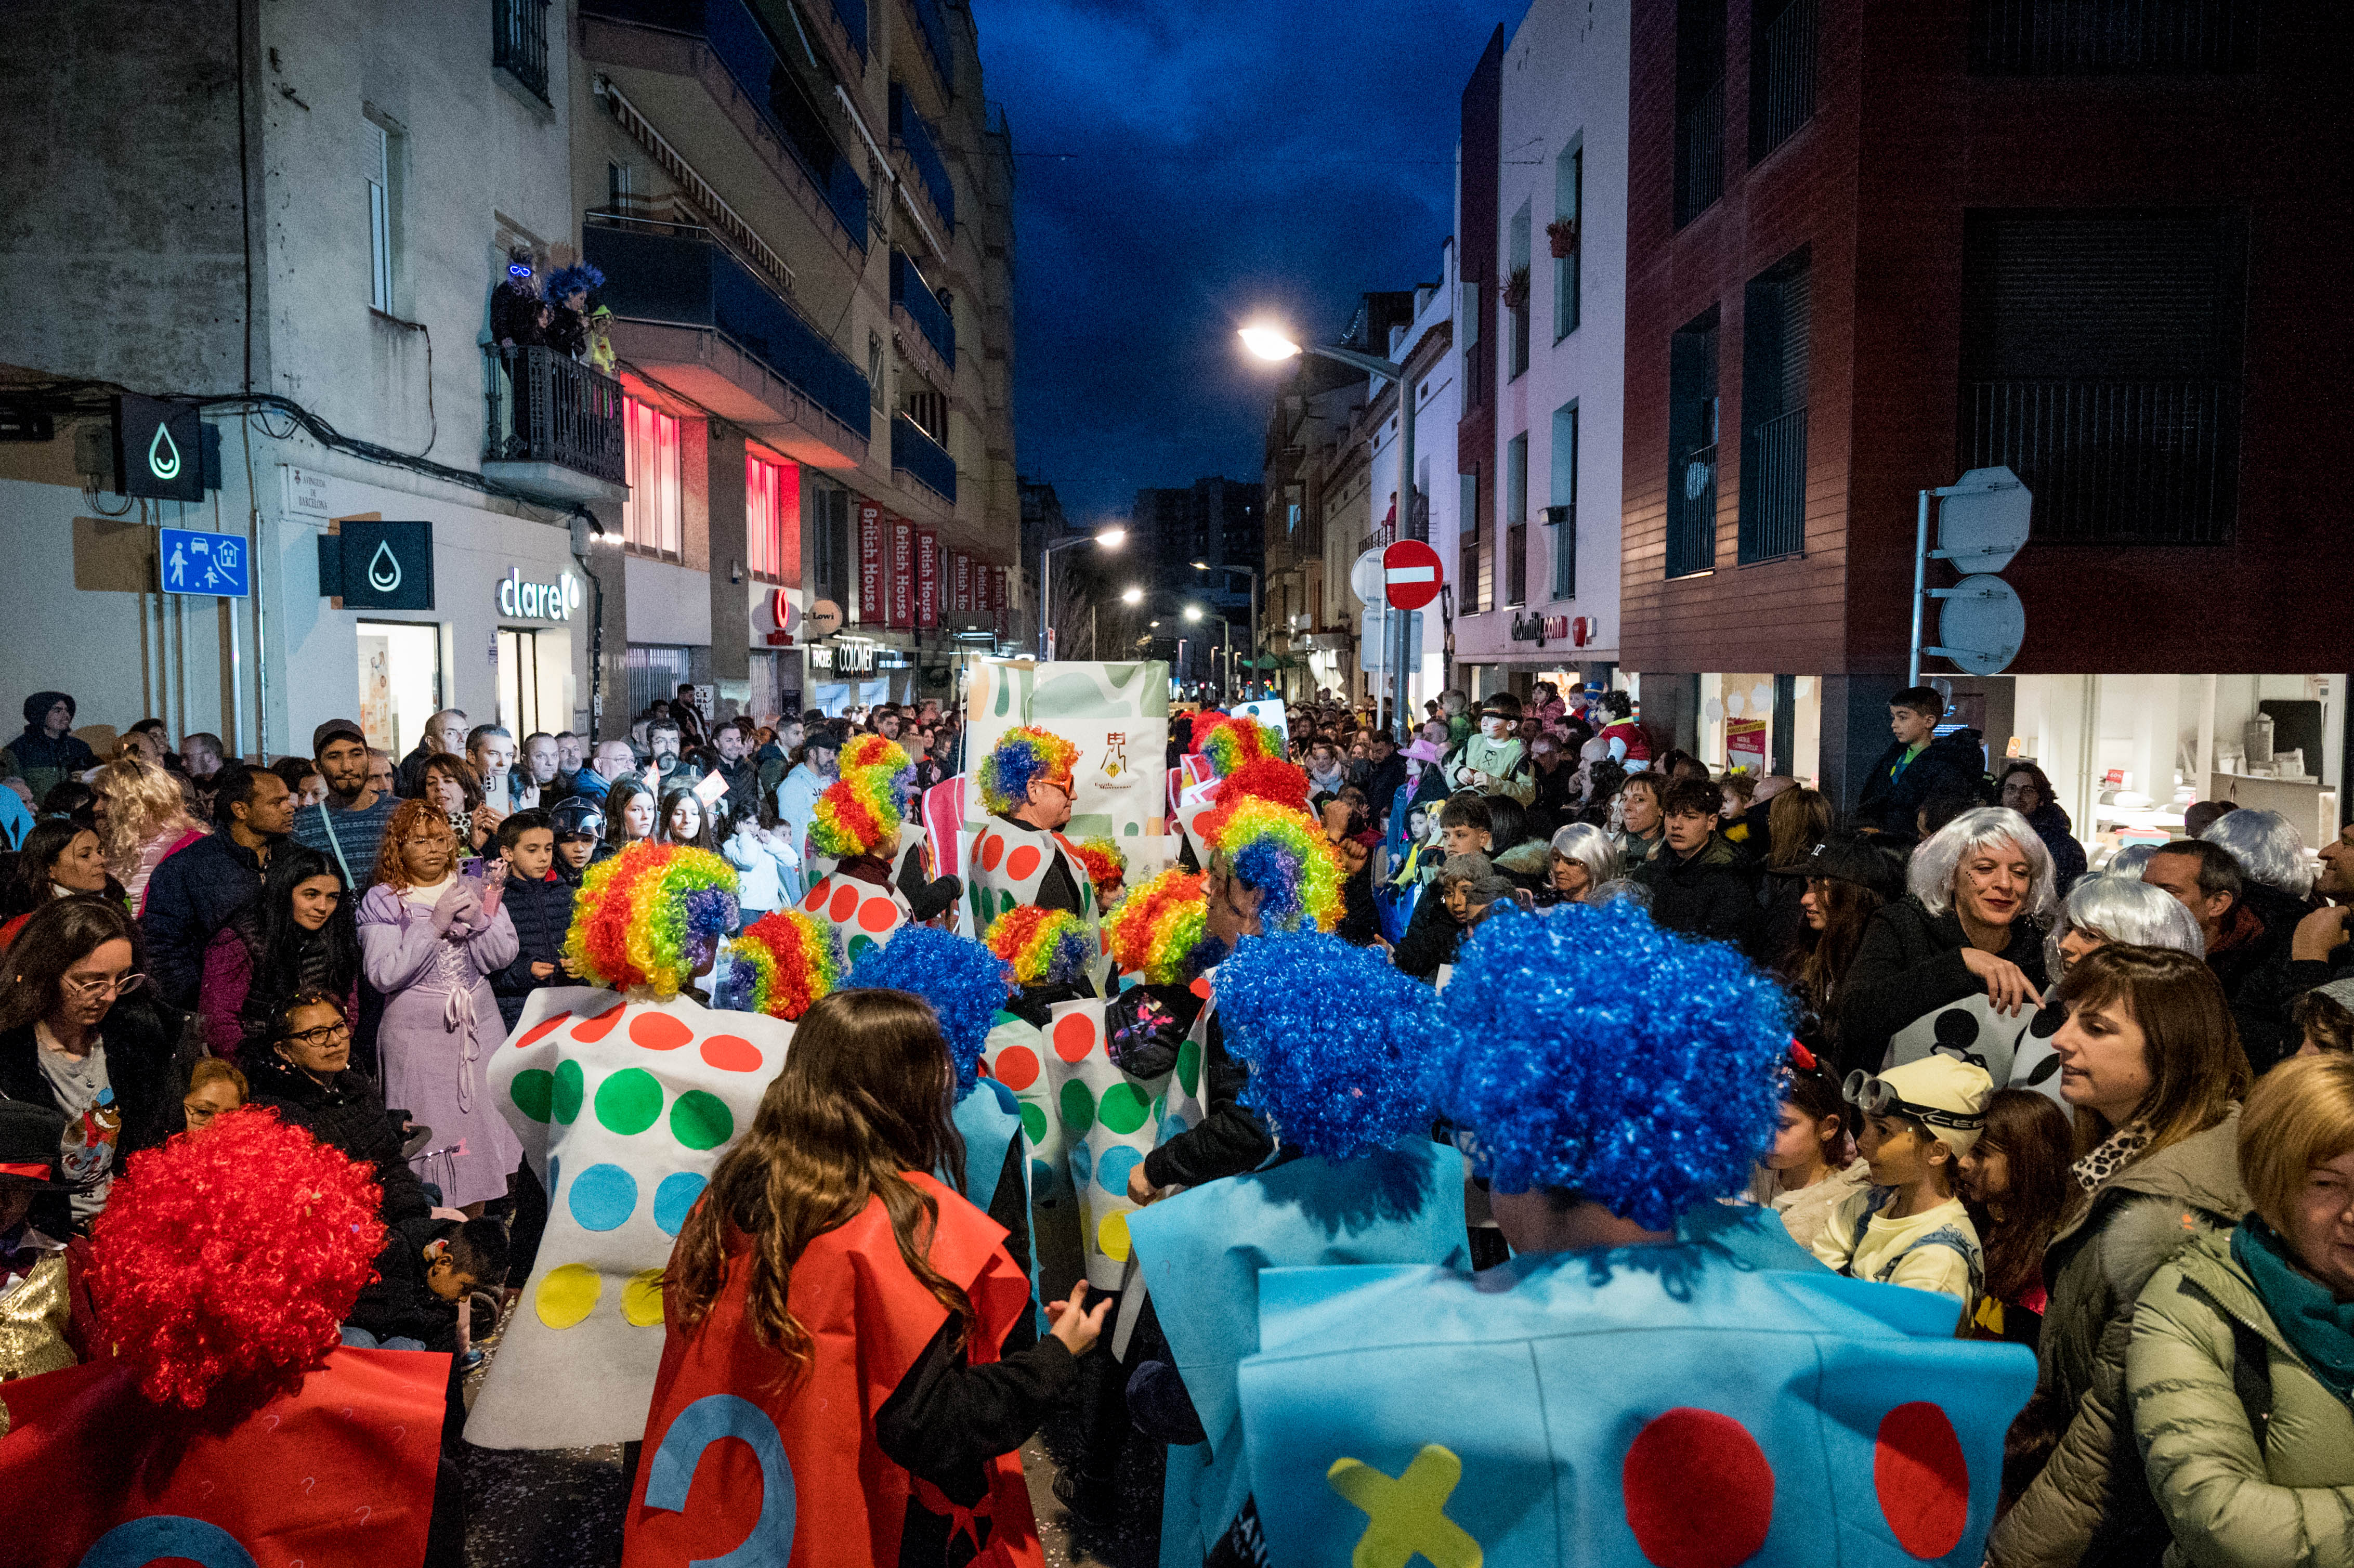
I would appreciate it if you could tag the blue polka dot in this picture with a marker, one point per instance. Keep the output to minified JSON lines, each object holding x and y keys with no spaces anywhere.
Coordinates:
{"x":673,"y":1198}
{"x":602,"y":1197}
{"x":1041,"y":1173}
{"x":1111,"y":1172}
{"x":1082,"y":1160}
{"x":1169,"y":1129}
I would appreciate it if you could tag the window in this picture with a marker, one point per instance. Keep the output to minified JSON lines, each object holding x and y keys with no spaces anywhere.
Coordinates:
{"x":1781,"y":72}
{"x":1562,"y":516}
{"x":1692,"y":446}
{"x":618,"y":184}
{"x":772,"y":514}
{"x":2113,"y":37}
{"x":1517,"y":296}
{"x":830,"y":542}
{"x":1293,"y":499}
{"x":379,"y":208}
{"x":1516,"y":520}
{"x":1775,"y":317}
{"x":519,"y":42}
{"x":1467,"y":327}
{"x":1700,"y":107}
{"x":1563,"y":233}
{"x":2101,"y":357}
{"x":651,"y":520}
{"x":1472,"y":580}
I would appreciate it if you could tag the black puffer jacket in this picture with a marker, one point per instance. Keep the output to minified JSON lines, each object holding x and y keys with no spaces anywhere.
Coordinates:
{"x":189,"y":898}
{"x":542,"y":913}
{"x":1953,"y":764}
{"x":1704,"y":895}
{"x":1910,"y":963}
{"x":345,"y":1113}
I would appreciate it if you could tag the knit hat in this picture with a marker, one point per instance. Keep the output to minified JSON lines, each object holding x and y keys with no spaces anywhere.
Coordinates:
{"x":1945,"y":1094}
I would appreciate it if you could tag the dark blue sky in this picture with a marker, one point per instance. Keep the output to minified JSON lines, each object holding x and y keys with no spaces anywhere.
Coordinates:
{"x":1227,"y":159}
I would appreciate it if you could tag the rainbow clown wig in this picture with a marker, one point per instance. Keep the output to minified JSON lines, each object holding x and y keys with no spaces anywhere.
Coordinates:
{"x":650,"y":916}
{"x":1231,"y":740}
{"x":299,"y":1217}
{"x":1023,"y":756}
{"x":1588,"y":1051}
{"x":1106,"y":862}
{"x":1043,"y":946}
{"x":782,"y":965}
{"x":1338,"y":1081}
{"x":1283,"y":854}
{"x":1158,"y":926}
{"x":962,"y":981}
{"x":859,"y":813}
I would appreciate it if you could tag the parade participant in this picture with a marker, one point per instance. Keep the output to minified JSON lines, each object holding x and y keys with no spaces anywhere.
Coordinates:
{"x":841,"y":1313}
{"x":1613,"y":1082}
{"x":624,"y":1089}
{"x":1157,"y":928}
{"x":783,"y":964}
{"x":1106,"y":867}
{"x":228,"y":1427}
{"x":1045,"y":949}
{"x":855,"y":825}
{"x":1021,"y":857}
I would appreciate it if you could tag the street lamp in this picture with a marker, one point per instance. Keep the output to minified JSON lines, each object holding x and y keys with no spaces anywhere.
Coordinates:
{"x":1131,"y":596}
{"x":1109,"y":538}
{"x":1252,"y":573}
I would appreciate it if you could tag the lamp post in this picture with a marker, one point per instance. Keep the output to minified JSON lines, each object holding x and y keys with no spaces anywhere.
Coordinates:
{"x":1269,"y":344}
{"x":1252,"y":573}
{"x":1109,"y":538}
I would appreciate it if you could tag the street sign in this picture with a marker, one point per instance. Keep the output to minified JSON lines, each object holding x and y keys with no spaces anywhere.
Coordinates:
{"x":159,"y":449}
{"x":378,"y":566}
{"x":1981,"y":624}
{"x":1982,"y":521}
{"x":1365,"y":577}
{"x":199,"y":563}
{"x":1413,"y":574}
{"x":1373,"y":648}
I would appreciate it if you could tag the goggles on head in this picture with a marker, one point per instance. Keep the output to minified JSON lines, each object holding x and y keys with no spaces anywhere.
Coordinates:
{"x":1874,"y":1096}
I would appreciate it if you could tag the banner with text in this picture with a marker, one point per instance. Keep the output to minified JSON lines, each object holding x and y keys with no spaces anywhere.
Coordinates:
{"x":871,"y":562}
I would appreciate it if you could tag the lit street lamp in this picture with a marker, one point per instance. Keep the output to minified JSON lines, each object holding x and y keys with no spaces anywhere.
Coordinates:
{"x":1252,"y":573}
{"x":1131,"y":596}
{"x":1109,"y":538}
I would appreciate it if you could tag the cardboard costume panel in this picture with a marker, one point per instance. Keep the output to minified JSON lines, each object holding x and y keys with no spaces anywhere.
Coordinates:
{"x":624,"y":1108}
{"x":865,"y":913}
{"x":1641,"y":1406}
{"x":1009,"y":861}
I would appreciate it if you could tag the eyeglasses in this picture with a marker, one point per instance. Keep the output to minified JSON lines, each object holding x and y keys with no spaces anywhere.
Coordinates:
{"x":1876,"y":1096}
{"x":90,"y":990}
{"x":319,"y":1039}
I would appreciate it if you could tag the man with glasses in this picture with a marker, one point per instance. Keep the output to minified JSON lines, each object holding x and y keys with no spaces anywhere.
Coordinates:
{"x":1028,"y":782}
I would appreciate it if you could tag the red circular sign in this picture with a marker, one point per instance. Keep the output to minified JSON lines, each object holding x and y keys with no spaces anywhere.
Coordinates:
{"x":1411,"y":574}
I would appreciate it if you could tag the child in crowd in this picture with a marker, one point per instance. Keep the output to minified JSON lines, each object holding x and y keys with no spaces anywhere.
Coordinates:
{"x":2016,"y":1183}
{"x":1908,"y":1227}
{"x":1810,"y":1169}
{"x":2322,"y":1021}
{"x":579,"y":828}
{"x":540,"y":905}
{"x":426,"y":1271}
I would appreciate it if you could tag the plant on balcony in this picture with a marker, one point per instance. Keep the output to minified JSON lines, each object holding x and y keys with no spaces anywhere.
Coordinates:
{"x":1516,"y":290}
{"x":1563,"y":233}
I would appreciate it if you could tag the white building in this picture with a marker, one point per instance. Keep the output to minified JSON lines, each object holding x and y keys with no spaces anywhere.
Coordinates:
{"x":1425,"y":349}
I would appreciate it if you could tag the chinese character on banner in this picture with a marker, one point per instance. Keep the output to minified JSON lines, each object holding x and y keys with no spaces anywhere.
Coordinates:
{"x":961,"y":585}
{"x":903,"y":572}
{"x":870,"y":562}
{"x":927,"y":578}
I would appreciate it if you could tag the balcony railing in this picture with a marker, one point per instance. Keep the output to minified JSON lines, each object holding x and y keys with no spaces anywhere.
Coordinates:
{"x":909,"y":292}
{"x":519,"y":41}
{"x":678,"y":274}
{"x":1516,"y":563}
{"x":1691,"y":512}
{"x":2113,"y":37}
{"x":852,"y":15}
{"x":1700,"y":153}
{"x":741,"y":43}
{"x":913,"y":452}
{"x":907,"y":129}
{"x":935,"y":30}
{"x":2114,"y":463}
{"x":1783,"y":97}
{"x":544,"y":406}
{"x":1774,"y":488}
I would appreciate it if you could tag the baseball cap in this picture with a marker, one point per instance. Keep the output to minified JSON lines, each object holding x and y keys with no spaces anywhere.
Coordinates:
{"x":1850,"y":860}
{"x":1946,"y":1094}
{"x":336,"y":729}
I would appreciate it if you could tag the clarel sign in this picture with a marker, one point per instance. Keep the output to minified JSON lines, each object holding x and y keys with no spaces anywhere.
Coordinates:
{"x":537,"y":600}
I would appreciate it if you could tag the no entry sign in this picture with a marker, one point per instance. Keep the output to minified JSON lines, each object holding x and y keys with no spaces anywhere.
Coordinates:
{"x":1410,"y":573}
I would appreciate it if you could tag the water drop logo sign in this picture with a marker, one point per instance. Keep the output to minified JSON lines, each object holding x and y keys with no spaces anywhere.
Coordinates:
{"x":158,"y":449}
{"x":384,"y":569}
{"x":164,"y":455}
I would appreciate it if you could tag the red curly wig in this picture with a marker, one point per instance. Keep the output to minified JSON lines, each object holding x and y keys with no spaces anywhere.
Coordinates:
{"x":407,"y":818}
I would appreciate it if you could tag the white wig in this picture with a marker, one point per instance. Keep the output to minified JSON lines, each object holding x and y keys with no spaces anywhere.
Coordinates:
{"x":1584,"y":844}
{"x":1934,"y":864}
{"x":2130,"y":861}
{"x":2268,"y":847}
{"x":2126,"y":909}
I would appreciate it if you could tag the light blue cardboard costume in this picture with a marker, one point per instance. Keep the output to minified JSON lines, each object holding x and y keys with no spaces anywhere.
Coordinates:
{"x":1684,"y":1405}
{"x":1355,"y":1180}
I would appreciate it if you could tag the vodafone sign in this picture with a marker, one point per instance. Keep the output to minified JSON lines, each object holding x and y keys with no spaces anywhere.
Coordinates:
{"x":1411,"y":574}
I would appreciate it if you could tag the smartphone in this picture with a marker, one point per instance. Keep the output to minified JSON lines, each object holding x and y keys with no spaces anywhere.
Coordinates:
{"x":471,"y":866}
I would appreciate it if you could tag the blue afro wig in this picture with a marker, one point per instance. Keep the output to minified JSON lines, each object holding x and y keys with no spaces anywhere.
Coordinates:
{"x":1586,"y":1049}
{"x":964,"y":983}
{"x":582,"y":279}
{"x":1335,"y":1080}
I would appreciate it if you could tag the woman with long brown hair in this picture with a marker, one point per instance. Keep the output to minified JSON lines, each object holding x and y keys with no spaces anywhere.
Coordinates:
{"x":854,"y":1308}
{"x":1843,"y":883}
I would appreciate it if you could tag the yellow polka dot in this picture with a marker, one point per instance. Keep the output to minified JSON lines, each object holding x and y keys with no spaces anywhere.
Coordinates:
{"x":567,"y":1295}
{"x":641,"y":1298}
{"x":1111,"y":1237}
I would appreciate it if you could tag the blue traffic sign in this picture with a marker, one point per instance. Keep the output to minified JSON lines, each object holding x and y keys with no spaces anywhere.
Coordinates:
{"x":195,"y":562}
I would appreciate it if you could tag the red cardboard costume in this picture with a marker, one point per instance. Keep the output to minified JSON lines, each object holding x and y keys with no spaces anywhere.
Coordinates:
{"x":807,"y":1484}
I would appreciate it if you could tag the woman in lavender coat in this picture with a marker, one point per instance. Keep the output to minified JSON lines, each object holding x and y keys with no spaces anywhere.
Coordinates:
{"x":429,"y":937}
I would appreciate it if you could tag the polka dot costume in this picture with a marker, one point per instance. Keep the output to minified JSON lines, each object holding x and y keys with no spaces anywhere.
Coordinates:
{"x":623,"y":1107}
{"x":1006,"y":865}
{"x":865,"y":913}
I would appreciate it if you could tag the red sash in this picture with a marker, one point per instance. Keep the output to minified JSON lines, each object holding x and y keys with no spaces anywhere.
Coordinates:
{"x":804,"y":1472}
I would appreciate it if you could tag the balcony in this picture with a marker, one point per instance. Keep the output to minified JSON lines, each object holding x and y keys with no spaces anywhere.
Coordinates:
{"x":933,"y":28}
{"x":912,"y":136}
{"x":1782,"y":79}
{"x":707,"y":325}
{"x":519,"y":42}
{"x":912,"y":295}
{"x":1691,"y":513}
{"x":916,"y":454}
{"x":552,"y":427}
{"x":1700,"y":153}
{"x":2113,"y":37}
{"x":2114,"y":461}
{"x":1774,"y":488}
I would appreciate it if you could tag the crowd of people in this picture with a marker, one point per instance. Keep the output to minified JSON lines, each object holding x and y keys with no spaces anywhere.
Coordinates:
{"x":2102,"y":1114}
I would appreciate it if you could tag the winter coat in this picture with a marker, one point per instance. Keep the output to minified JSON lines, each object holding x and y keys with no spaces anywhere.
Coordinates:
{"x":42,"y":763}
{"x":2051,"y":825}
{"x":1383,"y":781}
{"x":1432,"y":936}
{"x":2092,"y":1503}
{"x":1950,"y":765}
{"x":542,"y":913}
{"x":1506,"y":763}
{"x":1703,"y":894}
{"x":1634,"y":850}
{"x":2231,"y":1498}
{"x":764,"y":879}
{"x":228,"y":984}
{"x":1529,"y":864}
{"x":1911,"y":963}
{"x":398,"y":1302}
{"x":1231,"y":1139}
{"x":189,"y":898}
{"x":2255,"y":973}
{"x":346,"y":1114}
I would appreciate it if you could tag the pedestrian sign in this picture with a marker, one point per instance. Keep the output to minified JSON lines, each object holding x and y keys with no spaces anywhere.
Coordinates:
{"x":201,"y":563}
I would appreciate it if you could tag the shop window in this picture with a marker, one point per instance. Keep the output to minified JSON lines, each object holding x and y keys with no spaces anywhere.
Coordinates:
{"x":534,"y":680}
{"x":1692,"y":446}
{"x":1776,"y":317}
{"x":1561,"y":516}
{"x":652,"y":521}
{"x":400,"y":681}
{"x":772,"y":511}
{"x":1516,"y":521}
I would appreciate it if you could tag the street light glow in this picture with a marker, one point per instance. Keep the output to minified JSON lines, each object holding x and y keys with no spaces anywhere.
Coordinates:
{"x":1112,"y":538}
{"x":1192,"y":612}
{"x":1131,"y":596}
{"x":1201,"y":565}
{"x":1269,"y":343}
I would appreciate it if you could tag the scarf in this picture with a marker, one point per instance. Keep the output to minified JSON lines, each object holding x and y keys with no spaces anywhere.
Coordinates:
{"x":2317,"y":1326}
{"x":2119,"y":1149}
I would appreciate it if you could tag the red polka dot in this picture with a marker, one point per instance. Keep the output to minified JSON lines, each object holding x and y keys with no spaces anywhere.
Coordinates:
{"x":596,"y":1028}
{"x":1074,"y":1037}
{"x":845,"y":903}
{"x":1200,"y":987}
{"x":1698,"y":1490}
{"x":878,"y":914}
{"x":816,"y":896}
{"x":659,"y":1032}
{"x":1023,"y":863}
{"x":540,"y":1031}
{"x":732,"y":1053}
{"x":1017,"y":1067}
{"x":993,"y":848}
{"x":1922,"y":1479}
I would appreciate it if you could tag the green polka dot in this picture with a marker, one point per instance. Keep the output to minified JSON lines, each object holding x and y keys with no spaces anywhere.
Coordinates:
{"x":1078,"y":1109}
{"x":1189,"y":1064}
{"x":701,"y":1121}
{"x":1132,"y":829}
{"x":1007,"y":903}
{"x":1034,"y":1120}
{"x":1124,"y":1110}
{"x":859,"y":947}
{"x":570,"y":1086}
{"x":531,"y":1090}
{"x":630,"y":1101}
{"x":1001,"y":1016}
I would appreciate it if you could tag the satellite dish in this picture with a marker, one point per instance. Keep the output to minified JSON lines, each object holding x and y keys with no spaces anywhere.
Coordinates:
{"x":1981,"y":624}
{"x":1982,"y":529}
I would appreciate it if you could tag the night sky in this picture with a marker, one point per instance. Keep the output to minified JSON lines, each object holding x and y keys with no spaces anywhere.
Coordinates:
{"x":1227,"y":159}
